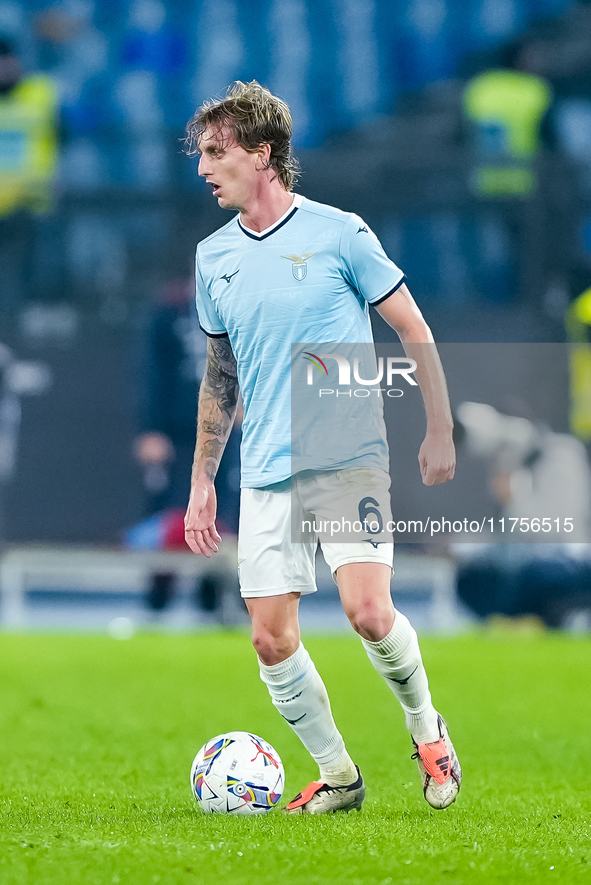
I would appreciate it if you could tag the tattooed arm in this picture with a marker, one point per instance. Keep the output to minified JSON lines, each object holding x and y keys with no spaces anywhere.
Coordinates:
{"x":218,"y":397}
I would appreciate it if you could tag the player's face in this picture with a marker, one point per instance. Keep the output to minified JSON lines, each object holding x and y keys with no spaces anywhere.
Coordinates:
{"x":228,"y":168}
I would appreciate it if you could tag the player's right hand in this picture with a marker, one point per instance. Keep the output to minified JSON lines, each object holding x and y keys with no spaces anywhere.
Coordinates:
{"x":201,"y":534}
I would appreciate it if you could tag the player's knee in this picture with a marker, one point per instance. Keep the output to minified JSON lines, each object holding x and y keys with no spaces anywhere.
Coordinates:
{"x":371,"y":621}
{"x":274,"y":648}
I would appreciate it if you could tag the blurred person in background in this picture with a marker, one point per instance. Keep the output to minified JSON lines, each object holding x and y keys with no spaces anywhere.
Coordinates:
{"x":28,"y":163}
{"x":150,"y":42}
{"x":505,"y":108}
{"x":173,"y":364}
{"x":578,"y":330}
{"x":535,"y":474}
{"x":535,"y":471}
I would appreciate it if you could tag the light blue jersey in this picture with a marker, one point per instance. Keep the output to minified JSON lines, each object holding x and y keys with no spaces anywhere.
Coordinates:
{"x":308,"y":278}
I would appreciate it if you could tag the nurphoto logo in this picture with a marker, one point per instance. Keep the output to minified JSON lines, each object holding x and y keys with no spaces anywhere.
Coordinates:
{"x":395,"y":366}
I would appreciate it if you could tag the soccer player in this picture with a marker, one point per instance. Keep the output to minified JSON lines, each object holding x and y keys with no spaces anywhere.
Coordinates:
{"x":254,"y":304}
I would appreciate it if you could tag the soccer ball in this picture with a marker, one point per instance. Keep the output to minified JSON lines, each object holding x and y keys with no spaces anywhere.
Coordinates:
{"x":237,"y":773}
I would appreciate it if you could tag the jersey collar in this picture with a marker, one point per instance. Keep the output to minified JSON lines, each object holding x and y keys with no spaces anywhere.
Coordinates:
{"x":263,"y":234}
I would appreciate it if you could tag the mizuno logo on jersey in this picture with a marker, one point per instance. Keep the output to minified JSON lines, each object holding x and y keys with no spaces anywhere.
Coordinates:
{"x":299,"y":267}
{"x":363,"y":229}
{"x":228,"y":277}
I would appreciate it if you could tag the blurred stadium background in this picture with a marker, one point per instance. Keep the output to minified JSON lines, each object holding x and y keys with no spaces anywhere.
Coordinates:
{"x":495,"y":240}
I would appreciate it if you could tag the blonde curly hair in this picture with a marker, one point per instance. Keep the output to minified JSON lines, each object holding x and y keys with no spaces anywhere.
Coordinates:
{"x":255,"y":116}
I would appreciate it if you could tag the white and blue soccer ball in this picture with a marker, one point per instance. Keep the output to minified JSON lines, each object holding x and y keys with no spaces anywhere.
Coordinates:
{"x":237,"y":773}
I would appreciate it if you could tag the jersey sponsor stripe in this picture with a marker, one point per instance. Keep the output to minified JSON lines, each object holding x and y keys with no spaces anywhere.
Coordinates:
{"x":390,"y":292}
{"x":213,"y":334}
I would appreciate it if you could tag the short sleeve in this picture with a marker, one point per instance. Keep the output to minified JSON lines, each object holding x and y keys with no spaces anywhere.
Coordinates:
{"x":367,"y":268}
{"x":209,"y":320}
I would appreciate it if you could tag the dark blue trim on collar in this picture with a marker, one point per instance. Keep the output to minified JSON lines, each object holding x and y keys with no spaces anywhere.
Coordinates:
{"x":253,"y":236}
{"x":391,"y":292}
{"x":213,"y":334}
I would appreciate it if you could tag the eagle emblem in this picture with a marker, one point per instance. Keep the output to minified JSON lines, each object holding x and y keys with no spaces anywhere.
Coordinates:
{"x":299,"y":267}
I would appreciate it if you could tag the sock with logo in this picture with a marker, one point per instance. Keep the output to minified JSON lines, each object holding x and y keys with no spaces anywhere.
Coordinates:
{"x":397,"y":658}
{"x":299,"y":694}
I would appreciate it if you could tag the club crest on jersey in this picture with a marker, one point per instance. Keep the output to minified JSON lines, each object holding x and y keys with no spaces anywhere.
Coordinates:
{"x":299,"y":267}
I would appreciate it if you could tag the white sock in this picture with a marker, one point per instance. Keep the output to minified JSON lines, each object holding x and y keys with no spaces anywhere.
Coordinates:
{"x":397,"y":658}
{"x":298,"y":692}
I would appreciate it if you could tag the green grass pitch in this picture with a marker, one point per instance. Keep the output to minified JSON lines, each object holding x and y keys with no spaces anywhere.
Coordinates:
{"x":97,"y":737}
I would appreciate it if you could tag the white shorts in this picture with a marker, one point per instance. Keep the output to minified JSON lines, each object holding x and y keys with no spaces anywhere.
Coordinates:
{"x":275,"y":557}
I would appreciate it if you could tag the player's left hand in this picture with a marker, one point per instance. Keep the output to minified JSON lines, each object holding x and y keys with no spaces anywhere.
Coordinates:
{"x":437,"y":458}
